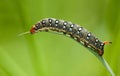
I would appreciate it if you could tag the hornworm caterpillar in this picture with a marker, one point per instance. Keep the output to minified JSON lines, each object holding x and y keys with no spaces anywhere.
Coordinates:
{"x":75,"y":31}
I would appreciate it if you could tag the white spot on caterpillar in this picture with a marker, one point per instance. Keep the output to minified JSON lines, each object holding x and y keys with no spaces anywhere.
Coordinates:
{"x":71,"y":26}
{"x":89,"y":34}
{"x":64,"y":27}
{"x":65,"y":23}
{"x":56,"y":21}
{"x":80,"y":29}
{"x":70,"y":29}
{"x":87,"y":37}
{"x":96,"y":40}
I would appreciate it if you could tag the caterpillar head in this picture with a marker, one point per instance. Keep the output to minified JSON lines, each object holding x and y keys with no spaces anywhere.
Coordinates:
{"x":33,"y":29}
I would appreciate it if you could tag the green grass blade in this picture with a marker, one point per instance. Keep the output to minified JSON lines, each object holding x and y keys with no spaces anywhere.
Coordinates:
{"x":9,"y":65}
{"x":101,"y":59}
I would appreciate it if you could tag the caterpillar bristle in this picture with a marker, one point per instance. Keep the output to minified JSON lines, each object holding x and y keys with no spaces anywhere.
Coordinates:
{"x":107,"y":42}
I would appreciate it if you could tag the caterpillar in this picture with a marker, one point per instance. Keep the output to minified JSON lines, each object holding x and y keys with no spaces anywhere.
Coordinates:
{"x":75,"y":31}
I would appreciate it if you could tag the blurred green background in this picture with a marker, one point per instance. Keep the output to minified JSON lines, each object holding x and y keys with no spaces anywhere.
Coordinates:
{"x":46,"y":54}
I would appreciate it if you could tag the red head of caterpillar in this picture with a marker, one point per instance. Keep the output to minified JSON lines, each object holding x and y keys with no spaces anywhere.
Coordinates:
{"x":75,"y":31}
{"x":32,"y":30}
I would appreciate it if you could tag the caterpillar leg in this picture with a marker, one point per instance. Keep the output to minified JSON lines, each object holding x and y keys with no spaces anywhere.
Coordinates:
{"x":85,"y":44}
{"x":46,"y":30}
{"x":78,"y":39}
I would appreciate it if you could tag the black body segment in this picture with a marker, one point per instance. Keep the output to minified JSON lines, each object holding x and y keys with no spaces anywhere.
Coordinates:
{"x":76,"y":32}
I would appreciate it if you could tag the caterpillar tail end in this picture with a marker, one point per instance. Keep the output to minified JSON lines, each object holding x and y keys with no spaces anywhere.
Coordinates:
{"x":104,"y":43}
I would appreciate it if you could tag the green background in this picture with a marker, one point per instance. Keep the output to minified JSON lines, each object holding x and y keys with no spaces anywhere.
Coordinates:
{"x":46,"y":54}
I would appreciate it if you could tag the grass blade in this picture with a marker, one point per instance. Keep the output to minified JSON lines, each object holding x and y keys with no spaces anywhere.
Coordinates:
{"x":101,"y":59}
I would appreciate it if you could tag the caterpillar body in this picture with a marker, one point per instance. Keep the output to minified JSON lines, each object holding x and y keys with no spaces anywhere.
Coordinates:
{"x":75,"y":31}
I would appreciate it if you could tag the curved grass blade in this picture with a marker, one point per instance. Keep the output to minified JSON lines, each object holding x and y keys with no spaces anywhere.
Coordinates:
{"x":101,"y":59}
